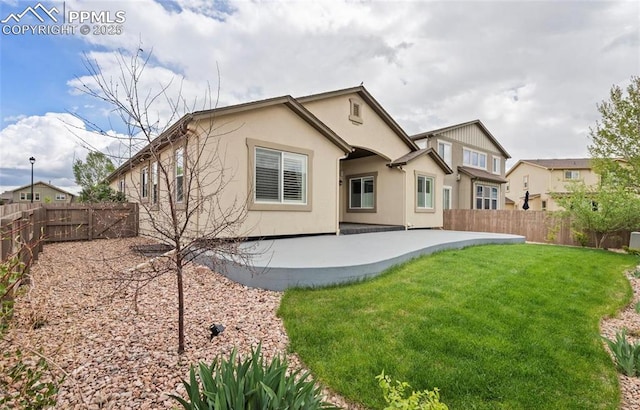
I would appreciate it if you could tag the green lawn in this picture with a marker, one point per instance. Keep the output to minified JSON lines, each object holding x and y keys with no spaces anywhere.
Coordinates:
{"x":494,"y":327}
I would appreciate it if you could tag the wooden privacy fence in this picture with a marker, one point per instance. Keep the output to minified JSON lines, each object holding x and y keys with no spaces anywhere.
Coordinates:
{"x":65,"y":222}
{"x":10,"y":209}
{"x":536,"y":226}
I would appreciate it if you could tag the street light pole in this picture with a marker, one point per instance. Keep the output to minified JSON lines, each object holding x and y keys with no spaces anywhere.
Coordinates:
{"x":32,"y":160}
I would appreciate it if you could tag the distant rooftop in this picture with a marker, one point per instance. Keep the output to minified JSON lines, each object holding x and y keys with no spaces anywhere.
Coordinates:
{"x":561,"y":163}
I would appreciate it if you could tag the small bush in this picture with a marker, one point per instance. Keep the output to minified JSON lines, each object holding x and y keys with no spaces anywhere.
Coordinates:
{"x":395,"y":396}
{"x":249,"y":383}
{"x":631,"y":251}
{"x":23,"y":385}
{"x":637,"y":307}
{"x":581,"y":237}
{"x":626,"y":355}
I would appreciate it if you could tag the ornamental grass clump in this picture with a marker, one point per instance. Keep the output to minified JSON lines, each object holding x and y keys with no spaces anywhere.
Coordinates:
{"x":250,"y":383}
{"x":625,"y":354}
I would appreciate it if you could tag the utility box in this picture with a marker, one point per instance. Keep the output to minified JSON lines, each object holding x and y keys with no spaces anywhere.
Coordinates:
{"x":634,"y":242}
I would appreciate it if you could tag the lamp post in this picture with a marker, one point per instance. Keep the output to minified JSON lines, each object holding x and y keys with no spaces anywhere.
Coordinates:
{"x":32,"y":160}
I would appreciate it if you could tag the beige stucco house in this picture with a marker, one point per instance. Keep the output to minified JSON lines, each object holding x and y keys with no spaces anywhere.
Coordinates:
{"x":478,"y":161}
{"x":42,"y":192}
{"x":544,"y":177}
{"x":304,"y":165}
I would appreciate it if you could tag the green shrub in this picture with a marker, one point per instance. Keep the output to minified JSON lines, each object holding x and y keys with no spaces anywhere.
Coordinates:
{"x":11,"y":271}
{"x":625,"y":354}
{"x":23,"y":385}
{"x":637,"y":307}
{"x":249,"y":383}
{"x":581,"y":237}
{"x":395,"y":396}
{"x":631,"y":251}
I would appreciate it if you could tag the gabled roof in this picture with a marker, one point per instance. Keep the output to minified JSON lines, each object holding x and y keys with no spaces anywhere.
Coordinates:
{"x":373,"y":103}
{"x":181,"y":126}
{"x":43,"y":183}
{"x":403,"y":160}
{"x":481,"y":174}
{"x":433,"y":133}
{"x":557,"y":163}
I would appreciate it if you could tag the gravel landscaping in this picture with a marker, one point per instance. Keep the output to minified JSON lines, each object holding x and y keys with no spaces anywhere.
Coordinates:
{"x":117,"y":354}
{"x":630,"y":320}
{"x":116,"y":358}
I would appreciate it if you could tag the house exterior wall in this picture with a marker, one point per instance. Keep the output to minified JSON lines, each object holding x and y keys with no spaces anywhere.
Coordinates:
{"x":42,"y":193}
{"x":273,"y":127}
{"x":423,"y":218}
{"x":471,"y":137}
{"x":542,"y":183}
{"x":389,"y":193}
{"x":372,"y":133}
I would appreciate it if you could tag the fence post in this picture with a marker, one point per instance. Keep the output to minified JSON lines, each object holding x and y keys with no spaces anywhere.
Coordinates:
{"x":90,"y":226}
{"x":6,"y":238}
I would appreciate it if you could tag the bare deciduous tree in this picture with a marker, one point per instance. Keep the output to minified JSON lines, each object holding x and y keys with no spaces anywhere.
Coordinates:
{"x":176,"y":170}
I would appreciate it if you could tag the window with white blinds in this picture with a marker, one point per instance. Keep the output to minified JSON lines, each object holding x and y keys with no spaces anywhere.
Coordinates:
{"x":280,"y":177}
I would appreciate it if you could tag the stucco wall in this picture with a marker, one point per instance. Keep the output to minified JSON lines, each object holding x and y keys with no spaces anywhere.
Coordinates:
{"x":389,"y":192}
{"x":373,"y":133}
{"x":226,"y":155}
{"x":419,"y":218}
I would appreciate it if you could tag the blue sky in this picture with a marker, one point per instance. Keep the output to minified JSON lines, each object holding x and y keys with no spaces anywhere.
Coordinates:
{"x":533,"y":72}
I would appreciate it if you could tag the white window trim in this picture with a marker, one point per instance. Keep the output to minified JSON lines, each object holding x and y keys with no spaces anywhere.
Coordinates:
{"x":176,"y":175}
{"x":471,"y":152}
{"x":61,"y":197}
{"x":281,"y":200}
{"x":493,"y":165}
{"x":144,"y":182}
{"x":36,"y":196}
{"x":572,"y":171}
{"x":445,"y":143}
{"x":155,"y":193}
{"x":447,"y":191}
{"x":433,"y":194}
{"x":525,"y":181}
{"x":484,"y":186}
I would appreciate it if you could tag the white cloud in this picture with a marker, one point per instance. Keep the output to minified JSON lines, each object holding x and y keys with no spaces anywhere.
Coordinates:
{"x":54,"y":140}
{"x":531,"y":71}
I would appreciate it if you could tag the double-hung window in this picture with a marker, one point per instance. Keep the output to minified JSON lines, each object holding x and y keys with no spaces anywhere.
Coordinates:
{"x":362,"y":192}
{"x":61,"y":197}
{"x":424,"y":192}
{"x":280,"y":177}
{"x":179,"y":172}
{"x":144,"y":182}
{"x":154,"y":182}
{"x":444,"y":150}
{"x":496,"y":165}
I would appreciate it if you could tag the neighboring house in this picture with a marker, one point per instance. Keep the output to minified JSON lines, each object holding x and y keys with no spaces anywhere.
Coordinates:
{"x":306,"y":165}
{"x":478,"y":161}
{"x":42,"y":192}
{"x":544,"y":177}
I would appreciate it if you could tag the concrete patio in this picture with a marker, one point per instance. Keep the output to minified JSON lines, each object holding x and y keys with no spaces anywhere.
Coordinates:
{"x":328,"y":259}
